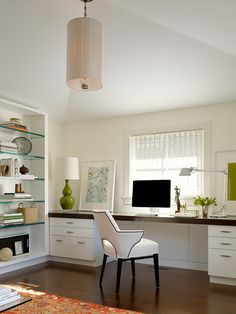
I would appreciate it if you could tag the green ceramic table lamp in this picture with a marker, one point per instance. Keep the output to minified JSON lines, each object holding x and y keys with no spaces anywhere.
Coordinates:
{"x":67,"y":168}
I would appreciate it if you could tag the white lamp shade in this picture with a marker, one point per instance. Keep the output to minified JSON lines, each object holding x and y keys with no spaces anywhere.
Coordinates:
{"x":84,"y":54}
{"x":67,"y":168}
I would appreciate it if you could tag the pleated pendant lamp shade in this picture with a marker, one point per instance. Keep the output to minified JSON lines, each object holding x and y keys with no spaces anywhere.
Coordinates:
{"x":84,"y":54}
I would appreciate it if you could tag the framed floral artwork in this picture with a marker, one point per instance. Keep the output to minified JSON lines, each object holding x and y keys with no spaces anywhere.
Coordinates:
{"x":97,"y":185}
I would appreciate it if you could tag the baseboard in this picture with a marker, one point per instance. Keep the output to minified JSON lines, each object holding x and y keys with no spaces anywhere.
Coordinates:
{"x":173,"y":263}
{"x":73,"y":261}
{"x":223,"y":280}
{"x":177,"y":264}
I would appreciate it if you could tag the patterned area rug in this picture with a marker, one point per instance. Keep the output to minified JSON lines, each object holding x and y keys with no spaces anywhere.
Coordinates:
{"x":43,"y":303}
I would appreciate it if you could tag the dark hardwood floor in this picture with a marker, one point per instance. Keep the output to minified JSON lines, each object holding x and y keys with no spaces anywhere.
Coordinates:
{"x":181,"y":291}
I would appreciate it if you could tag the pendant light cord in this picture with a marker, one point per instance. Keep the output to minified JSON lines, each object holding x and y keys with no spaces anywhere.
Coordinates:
{"x":85,"y":9}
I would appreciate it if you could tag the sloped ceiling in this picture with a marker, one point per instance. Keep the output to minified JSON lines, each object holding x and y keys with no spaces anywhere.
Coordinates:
{"x":158,"y":55}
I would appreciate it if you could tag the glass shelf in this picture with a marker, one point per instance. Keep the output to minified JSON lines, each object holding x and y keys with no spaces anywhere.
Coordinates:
{"x":20,"y":200}
{"x":23,"y":225}
{"x":21,"y":178}
{"x":22,"y":156}
{"x":31,"y":135}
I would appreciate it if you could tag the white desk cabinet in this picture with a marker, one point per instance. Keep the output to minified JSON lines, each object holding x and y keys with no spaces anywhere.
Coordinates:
{"x":74,"y":238}
{"x":222,"y":254}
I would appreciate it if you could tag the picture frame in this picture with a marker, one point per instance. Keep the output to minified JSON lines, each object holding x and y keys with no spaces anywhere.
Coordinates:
{"x":97,"y":185}
{"x":18,"y":246}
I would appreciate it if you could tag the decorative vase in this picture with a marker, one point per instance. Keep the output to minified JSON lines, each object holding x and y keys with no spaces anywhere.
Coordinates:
{"x":205,"y":211}
{"x":67,"y":200}
{"x":24,"y":170}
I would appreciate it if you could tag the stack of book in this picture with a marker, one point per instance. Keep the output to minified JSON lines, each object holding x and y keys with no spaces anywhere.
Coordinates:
{"x":7,"y":296}
{"x":15,"y":126}
{"x":12,"y":197}
{"x":11,"y":219}
{"x":8,"y":147}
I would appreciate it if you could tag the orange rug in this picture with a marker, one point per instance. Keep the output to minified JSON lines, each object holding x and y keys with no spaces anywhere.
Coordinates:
{"x":43,"y":303}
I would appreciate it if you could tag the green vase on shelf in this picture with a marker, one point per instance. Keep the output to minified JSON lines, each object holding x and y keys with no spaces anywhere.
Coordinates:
{"x":67,"y":201}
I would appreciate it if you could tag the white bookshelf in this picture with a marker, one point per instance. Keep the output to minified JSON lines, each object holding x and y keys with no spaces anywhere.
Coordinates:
{"x":37,"y":163}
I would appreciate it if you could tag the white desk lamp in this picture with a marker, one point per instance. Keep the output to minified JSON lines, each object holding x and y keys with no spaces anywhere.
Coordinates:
{"x":189,"y":171}
{"x":67,"y":168}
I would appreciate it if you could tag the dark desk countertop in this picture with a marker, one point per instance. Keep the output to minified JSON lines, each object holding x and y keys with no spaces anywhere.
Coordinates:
{"x":228,"y":221}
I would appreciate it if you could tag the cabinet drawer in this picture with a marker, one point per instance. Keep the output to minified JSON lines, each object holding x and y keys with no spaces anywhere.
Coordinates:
{"x":222,"y":231}
{"x":222,"y":263}
{"x":222,"y":243}
{"x":70,"y":222}
{"x":60,"y":246}
{"x":82,"y":248}
{"x":71,"y":232}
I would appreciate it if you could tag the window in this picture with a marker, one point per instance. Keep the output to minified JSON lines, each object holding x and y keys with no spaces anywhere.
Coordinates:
{"x":162,"y":155}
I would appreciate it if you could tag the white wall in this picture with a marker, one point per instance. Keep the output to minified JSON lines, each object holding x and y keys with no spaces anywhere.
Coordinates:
{"x":104,"y":139}
{"x":56,"y":149}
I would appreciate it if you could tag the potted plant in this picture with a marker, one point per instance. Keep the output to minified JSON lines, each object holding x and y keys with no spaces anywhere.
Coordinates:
{"x":205,"y":202}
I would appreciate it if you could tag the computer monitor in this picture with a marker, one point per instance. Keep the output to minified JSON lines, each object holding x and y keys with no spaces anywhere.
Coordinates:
{"x":151,"y":193}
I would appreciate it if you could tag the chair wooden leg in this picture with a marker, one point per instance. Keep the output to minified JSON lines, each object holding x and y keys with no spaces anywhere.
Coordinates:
{"x":103,"y":268}
{"x":133,"y":267}
{"x":156,"y":269}
{"x":119,"y":266}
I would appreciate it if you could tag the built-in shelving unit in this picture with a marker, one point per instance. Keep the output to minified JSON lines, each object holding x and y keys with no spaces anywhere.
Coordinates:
{"x":35,"y":183}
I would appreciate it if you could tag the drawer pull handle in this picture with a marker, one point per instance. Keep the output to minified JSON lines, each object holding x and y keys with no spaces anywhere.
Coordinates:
{"x":80,"y":242}
{"x":226,"y":231}
{"x":59,"y":240}
{"x":70,"y":231}
{"x":222,"y":255}
{"x":225,"y":243}
{"x":70,"y":222}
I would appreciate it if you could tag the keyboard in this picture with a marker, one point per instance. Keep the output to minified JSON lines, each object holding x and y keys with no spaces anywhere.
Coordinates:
{"x":147,"y":214}
{"x":186,"y":215}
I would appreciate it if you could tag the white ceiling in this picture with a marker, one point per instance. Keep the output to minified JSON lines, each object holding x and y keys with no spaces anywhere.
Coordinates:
{"x":158,"y":55}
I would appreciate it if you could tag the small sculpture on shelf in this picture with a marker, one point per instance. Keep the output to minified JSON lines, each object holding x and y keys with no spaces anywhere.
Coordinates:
{"x":18,"y":188}
{"x":4,"y":170}
{"x":177,"y":201}
{"x":24,"y":170}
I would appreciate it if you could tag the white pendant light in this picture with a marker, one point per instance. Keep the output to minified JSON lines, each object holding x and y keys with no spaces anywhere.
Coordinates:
{"x":84,"y":53}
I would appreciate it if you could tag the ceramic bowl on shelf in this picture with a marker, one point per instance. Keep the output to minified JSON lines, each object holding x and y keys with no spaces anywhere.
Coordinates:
{"x":24,"y":146}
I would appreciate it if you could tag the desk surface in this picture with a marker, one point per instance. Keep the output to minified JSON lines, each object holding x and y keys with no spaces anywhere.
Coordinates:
{"x":228,"y":221}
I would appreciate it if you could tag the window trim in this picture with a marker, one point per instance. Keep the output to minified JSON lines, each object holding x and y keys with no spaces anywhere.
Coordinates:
{"x":206,"y":126}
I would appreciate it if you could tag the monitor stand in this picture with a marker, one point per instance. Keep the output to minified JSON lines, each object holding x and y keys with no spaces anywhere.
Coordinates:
{"x":154,"y":211}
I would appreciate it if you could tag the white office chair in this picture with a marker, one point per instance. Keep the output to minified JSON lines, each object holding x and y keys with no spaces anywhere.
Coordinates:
{"x":125,"y":245}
